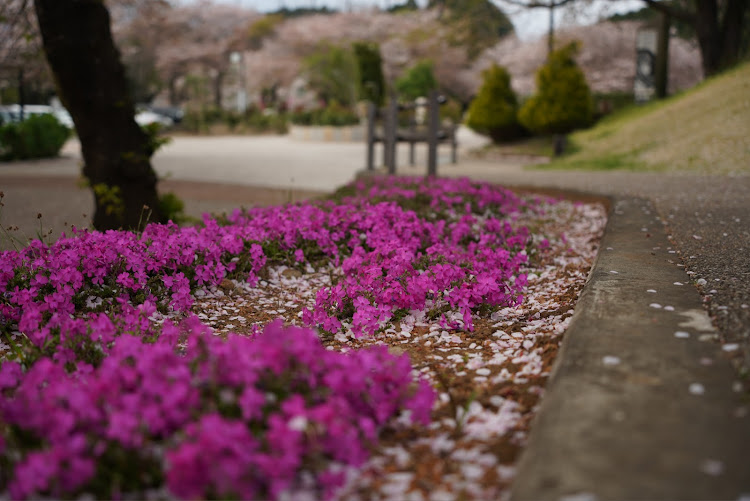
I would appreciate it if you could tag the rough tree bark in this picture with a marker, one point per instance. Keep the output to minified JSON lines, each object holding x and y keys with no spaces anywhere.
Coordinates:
{"x":93,"y":87}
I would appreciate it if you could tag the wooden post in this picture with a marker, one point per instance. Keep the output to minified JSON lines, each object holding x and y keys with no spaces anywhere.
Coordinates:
{"x":454,"y":144}
{"x":384,"y":136}
{"x":391,"y":123}
{"x":433,"y":122}
{"x":413,"y":134}
{"x":371,"y":136}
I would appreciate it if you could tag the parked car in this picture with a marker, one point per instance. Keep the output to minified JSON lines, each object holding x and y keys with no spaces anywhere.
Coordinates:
{"x":173,"y":112}
{"x":12,"y":113}
{"x":147,"y":117}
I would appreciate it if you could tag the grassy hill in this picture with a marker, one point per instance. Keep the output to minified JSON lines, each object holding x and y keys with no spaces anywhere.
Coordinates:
{"x":706,"y":129}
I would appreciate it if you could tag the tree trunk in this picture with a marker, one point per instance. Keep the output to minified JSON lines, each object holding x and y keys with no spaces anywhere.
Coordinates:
{"x":551,"y":33}
{"x":732,"y":25}
{"x":173,"y":101}
{"x":93,"y":87}
{"x":718,"y":27}
{"x":709,"y":39}
{"x":719,"y":32}
{"x":218,"y":85}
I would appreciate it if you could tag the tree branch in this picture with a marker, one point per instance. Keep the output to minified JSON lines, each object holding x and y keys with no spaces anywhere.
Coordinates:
{"x":534,"y":4}
{"x":671,"y":10}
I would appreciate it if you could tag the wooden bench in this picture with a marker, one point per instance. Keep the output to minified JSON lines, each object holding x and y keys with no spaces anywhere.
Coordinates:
{"x":390,"y":134}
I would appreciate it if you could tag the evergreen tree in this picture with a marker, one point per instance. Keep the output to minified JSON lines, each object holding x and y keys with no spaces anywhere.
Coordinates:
{"x":332,"y":72}
{"x":418,"y":81}
{"x":493,"y":112}
{"x":371,"y":85}
{"x":563,"y":99}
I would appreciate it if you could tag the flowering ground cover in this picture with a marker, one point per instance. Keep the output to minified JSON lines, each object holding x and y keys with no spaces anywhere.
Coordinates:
{"x":389,"y":342}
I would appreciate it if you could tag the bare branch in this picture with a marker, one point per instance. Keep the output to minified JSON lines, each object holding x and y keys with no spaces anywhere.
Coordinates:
{"x":534,"y":4}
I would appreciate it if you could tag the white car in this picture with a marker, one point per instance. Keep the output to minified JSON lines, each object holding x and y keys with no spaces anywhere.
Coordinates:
{"x":12,"y":113}
{"x":147,"y":117}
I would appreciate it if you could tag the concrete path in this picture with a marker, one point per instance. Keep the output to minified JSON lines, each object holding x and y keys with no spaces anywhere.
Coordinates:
{"x":634,"y":410}
{"x":642,"y":403}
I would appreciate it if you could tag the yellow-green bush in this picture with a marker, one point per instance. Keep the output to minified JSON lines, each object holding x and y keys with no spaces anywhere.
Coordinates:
{"x":563,"y":99}
{"x":493,"y":112}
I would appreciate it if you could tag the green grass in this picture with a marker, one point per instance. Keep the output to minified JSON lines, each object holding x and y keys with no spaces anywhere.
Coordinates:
{"x":705,"y":130}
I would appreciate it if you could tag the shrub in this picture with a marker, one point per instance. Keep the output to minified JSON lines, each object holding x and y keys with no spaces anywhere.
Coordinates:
{"x":371,"y":81}
{"x":418,"y":81}
{"x":173,"y":208}
{"x":259,"y":121}
{"x":451,"y":111}
{"x":252,"y":120}
{"x":494,"y":111}
{"x":334,"y":114}
{"x":332,"y":72}
{"x":194,"y":121}
{"x":563,"y":100}
{"x":115,"y":390}
{"x":39,"y":136}
{"x":245,"y":418}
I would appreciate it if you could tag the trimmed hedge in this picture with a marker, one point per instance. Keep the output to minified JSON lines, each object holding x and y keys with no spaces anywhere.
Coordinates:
{"x":334,"y":114}
{"x":39,"y":136}
{"x":494,"y":111}
{"x":371,"y":83}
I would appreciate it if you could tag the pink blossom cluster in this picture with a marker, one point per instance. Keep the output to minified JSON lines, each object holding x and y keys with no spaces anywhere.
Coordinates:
{"x":462,"y":251}
{"x":236,"y":418}
{"x":458,"y":249}
{"x":107,"y":395}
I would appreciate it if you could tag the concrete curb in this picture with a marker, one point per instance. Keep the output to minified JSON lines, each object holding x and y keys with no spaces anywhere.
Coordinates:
{"x":634,"y":410}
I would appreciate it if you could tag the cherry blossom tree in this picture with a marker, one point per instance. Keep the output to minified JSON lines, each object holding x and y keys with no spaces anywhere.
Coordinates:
{"x":720,"y":25}
{"x":199,"y":38}
{"x":22,"y":63}
{"x":606,"y":58}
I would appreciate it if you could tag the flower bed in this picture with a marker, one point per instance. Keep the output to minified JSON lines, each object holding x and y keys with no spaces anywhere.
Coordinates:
{"x":156,"y":363}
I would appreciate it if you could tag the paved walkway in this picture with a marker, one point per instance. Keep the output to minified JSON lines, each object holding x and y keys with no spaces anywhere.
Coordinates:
{"x":662,"y":421}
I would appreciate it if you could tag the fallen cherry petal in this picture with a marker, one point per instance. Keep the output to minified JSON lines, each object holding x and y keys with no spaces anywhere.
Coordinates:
{"x":712,"y":467}
{"x":697,"y":389}
{"x":610,"y":360}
